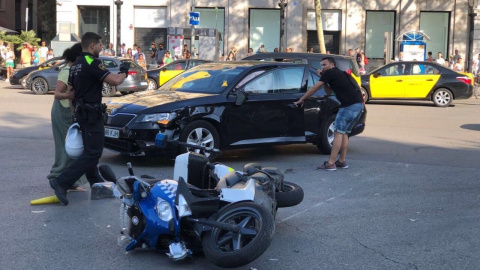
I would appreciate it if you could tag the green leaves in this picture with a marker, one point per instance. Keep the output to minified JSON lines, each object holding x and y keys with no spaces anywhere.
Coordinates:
{"x":25,"y":36}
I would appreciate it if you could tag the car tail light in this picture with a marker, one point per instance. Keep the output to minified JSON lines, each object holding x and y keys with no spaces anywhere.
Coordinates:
{"x":132,"y":73}
{"x":465,"y":79}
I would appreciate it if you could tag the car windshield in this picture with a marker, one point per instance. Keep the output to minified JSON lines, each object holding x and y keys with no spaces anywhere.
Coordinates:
{"x":208,"y":79}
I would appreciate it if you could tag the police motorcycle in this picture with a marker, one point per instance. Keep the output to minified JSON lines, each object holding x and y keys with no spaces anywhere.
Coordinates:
{"x":209,"y":207}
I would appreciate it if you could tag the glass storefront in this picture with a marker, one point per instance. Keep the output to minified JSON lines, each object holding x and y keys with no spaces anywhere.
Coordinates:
{"x":95,"y":19}
{"x":264,"y":29}
{"x":435,"y":26}
{"x":378,"y":22}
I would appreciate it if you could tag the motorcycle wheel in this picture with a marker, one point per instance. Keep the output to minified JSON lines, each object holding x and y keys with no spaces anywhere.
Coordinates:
{"x":231,"y":249}
{"x":291,"y":195}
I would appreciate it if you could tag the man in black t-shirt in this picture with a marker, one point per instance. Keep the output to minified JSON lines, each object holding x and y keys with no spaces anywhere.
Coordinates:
{"x":351,"y":106}
{"x":86,"y":78}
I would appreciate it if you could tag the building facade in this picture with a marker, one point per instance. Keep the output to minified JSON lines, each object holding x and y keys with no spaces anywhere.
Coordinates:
{"x":13,"y":14}
{"x":248,"y":24}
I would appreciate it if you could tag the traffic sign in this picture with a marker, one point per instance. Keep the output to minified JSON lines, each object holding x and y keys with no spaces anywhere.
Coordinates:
{"x":194,"y":18}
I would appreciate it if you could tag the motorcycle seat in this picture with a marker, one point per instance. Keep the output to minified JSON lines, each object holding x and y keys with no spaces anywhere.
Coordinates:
{"x":230,"y":180}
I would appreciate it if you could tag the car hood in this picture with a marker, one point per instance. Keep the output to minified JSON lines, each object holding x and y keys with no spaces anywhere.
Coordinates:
{"x":136,"y":102}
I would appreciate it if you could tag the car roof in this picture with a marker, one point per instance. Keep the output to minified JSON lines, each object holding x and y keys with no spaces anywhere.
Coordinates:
{"x":412,"y":62}
{"x":295,"y":55}
{"x":252,"y":63}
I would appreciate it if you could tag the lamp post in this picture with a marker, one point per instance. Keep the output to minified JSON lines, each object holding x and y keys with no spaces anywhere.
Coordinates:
{"x":118,"y":3}
{"x":472,"y":4}
{"x":282,"y":5}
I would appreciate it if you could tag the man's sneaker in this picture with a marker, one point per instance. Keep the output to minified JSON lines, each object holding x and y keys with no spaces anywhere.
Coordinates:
{"x":60,"y":192}
{"x":341,"y":165}
{"x":327,"y":167}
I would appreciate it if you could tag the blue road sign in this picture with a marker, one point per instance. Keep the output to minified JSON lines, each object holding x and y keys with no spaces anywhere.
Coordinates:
{"x":194,"y":18}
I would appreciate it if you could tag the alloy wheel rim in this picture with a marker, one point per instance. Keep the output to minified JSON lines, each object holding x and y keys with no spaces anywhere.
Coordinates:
{"x":151,"y":85}
{"x":39,"y":86}
{"x":442,"y":97}
{"x":201,"y":137}
{"x":331,"y":132}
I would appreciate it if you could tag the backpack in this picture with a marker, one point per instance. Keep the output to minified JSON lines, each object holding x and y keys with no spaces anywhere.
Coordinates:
{"x":365,"y":59}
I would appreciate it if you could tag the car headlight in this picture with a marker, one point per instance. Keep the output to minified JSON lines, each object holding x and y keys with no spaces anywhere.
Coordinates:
{"x":160,"y":118}
{"x":183,"y":208}
{"x":164,"y":210}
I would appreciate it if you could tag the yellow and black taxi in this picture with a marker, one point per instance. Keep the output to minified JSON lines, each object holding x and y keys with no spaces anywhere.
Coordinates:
{"x":226,"y":105}
{"x":159,"y":76}
{"x":416,"y":81}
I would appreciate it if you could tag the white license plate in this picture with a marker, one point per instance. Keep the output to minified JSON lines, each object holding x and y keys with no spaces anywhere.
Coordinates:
{"x":111,"y":133}
{"x":143,"y":83}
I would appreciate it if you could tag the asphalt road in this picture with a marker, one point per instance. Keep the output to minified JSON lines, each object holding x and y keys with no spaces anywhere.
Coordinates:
{"x":410,"y":199}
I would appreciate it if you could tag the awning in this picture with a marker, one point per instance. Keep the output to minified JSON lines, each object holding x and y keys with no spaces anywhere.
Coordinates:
{"x":7,"y":30}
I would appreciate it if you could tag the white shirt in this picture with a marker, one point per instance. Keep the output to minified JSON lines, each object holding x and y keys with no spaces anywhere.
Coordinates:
{"x":9,"y":57}
{"x":43,"y":52}
{"x":476,"y":66}
{"x":440,"y":61}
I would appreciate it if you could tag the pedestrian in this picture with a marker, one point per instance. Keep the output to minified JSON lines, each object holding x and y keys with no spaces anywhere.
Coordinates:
{"x":166,"y":58}
{"x":250,"y":52}
{"x":26,"y":55}
{"x":141,"y":60}
{"x":35,"y":56}
{"x":43,"y":51}
{"x":153,"y":51}
{"x":3,"y":50}
{"x":275,"y":50}
{"x":451,"y":62}
{"x":310,"y":50}
{"x":62,"y":118}
{"x":458,"y":66}
{"x":476,"y":66}
{"x":290,"y":49}
{"x":351,"y":105}
{"x":399,"y":57}
{"x":87,"y":76}
{"x":9,"y":62}
{"x":194,"y":53}
{"x":137,"y":55}
{"x":123,"y":50}
{"x":234,"y":52}
{"x":109,"y":51}
{"x":358,"y":57}
{"x":362,"y":62}
{"x":129,"y":54}
{"x":185,"y":50}
{"x":456,"y":56}
{"x":440,"y":59}
{"x":134,"y":51}
{"x":50,"y":54}
{"x":429,"y":57}
{"x":159,"y":54}
{"x":261,"y":49}
{"x":230,"y":56}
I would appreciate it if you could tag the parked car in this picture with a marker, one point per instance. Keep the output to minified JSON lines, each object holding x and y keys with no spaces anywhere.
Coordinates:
{"x":314,"y":60}
{"x":42,"y":81}
{"x":226,"y":105}
{"x":19,"y":76}
{"x":159,"y":76}
{"x":417,"y":81}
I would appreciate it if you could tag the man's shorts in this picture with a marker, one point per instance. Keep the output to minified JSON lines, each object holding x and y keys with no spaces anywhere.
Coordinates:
{"x":347,"y":117}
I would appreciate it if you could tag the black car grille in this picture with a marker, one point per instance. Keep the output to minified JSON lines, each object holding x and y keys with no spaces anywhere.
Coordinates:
{"x":119,"y":120}
{"x":120,"y":145}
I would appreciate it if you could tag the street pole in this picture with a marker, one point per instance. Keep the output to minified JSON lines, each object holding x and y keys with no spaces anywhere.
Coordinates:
{"x":118,"y":3}
{"x":282,"y":6}
{"x":26,"y":20}
{"x":192,"y":35}
{"x":217,"y":42}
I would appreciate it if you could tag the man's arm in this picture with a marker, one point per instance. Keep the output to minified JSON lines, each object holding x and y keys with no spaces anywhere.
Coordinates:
{"x":115,"y":79}
{"x":309,"y":93}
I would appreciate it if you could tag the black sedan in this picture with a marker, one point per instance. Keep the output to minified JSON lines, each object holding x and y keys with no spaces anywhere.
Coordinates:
{"x":159,"y":76}
{"x":226,"y":105}
{"x":417,"y":81}
{"x":19,"y":76}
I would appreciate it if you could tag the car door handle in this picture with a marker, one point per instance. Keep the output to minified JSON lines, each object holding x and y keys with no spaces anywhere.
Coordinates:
{"x":399,"y":80}
{"x":429,"y":80}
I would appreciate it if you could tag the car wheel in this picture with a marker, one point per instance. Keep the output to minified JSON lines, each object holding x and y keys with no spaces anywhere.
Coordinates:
{"x":200,"y":133}
{"x":108,"y":90}
{"x":325,"y":143}
{"x":442,"y":97}
{"x":23,"y":82}
{"x":39,"y":86}
{"x":152,"y":84}
{"x":365,"y":94}
{"x":126,"y":93}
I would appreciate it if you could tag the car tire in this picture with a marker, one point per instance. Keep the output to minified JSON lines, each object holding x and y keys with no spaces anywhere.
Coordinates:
{"x":108,"y":90}
{"x":291,"y":195}
{"x":23,"y":82}
{"x":365,"y":95}
{"x":39,"y":86}
{"x":127,"y":92}
{"x":326,"y":139}
{"x":200,"y":133}
{"x":442,"y":97}
{"x":152,"y":84}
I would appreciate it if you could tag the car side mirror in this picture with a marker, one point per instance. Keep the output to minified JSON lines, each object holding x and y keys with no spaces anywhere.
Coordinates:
{"x":241,"y":97}
{"x":376,"y":75}
{"x":164,"y":69}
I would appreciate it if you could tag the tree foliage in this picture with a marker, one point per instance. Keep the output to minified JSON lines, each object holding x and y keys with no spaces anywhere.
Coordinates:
{"x":47,"y":19}
{"x":25,"y":36}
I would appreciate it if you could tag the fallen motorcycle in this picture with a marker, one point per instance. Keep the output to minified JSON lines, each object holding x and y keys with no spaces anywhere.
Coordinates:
{"x":209,"y":206}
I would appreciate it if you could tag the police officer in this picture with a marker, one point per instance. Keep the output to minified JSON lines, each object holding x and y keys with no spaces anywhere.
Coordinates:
{"x":87,"y":76}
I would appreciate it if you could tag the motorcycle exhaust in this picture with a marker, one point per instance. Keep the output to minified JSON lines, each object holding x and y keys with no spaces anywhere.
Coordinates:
{"x":216,"y":224}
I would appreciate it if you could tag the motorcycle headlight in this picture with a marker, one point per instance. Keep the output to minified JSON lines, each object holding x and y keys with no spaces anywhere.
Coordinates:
{"x":160,"y":118}
{"x":183,"y":208}
{"x":164,"y":210}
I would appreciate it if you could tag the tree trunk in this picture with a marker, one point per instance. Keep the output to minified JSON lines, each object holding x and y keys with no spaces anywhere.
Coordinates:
{"x":318,"y":18}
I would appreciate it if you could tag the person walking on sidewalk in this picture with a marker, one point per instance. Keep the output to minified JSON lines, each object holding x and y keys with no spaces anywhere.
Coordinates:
{"x":9,"y":62}
{"x":62,"y":118}
{"x":351,"y":106}
{"x":86,"y":77}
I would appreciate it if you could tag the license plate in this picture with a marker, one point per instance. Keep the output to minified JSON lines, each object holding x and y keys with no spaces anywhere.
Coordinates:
{"x":111,"y":133}
{"x":143,"y":83}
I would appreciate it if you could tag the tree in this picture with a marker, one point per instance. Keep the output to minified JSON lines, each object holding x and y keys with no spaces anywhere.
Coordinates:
{"x":25,"y":36}
{"x":318,"y":18}
{"x":47,"y":19}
